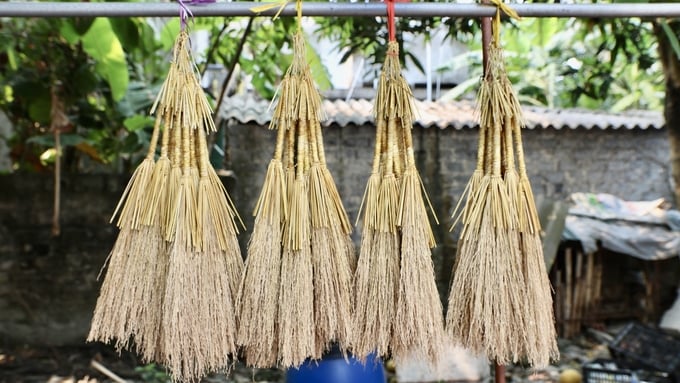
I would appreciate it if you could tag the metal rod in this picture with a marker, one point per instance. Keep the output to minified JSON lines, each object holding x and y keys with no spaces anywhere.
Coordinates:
{"x":358,"y":9}
{"x":499,"y":375}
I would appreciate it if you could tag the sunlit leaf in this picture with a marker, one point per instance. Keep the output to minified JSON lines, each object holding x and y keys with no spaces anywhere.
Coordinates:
{"x":138,"y":122}
{"x":65,"y":139}
{"x":672,"y":37}
{"x":319,"y":71}
{"x":103,"y":45}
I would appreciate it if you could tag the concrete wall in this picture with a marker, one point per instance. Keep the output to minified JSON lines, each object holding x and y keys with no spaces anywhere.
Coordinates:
{"x":630,"y":164}
{"x":48,"y":286}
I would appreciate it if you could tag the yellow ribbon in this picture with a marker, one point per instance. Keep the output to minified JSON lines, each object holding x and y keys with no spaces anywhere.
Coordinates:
{"x":269,"y":6}
{"x":501,"y":7}
{"x":281,"y":5}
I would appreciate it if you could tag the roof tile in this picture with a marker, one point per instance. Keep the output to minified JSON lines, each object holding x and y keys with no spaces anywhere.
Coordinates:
{"x":456,"y":115}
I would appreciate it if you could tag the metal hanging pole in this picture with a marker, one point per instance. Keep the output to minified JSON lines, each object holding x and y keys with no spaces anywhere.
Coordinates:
{"x":358,"y":9}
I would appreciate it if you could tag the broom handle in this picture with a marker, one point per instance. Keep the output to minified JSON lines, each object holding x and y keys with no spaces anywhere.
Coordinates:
{"x":302,"y":146}
{"x":193,"y":161}
{"x":165,"y":140}
{"x":280,"y":137}
{"x":392,"y":148}
{"x":321,"y":151}
{"x":508,"y":155}
{"x":377,"y":152}
{"x":408,"y":143}
{"x":488,"y":150}
{"x":290,"y":150}
{"x":312,"y":128}
{"x":202,"y":151}
{"x":481,"y":148}
{"x":177,"y":138}
{"x":496,"y":166}
{"x":517,"y":131}
{"x":186,"y":150}
{"x":154,"y":140}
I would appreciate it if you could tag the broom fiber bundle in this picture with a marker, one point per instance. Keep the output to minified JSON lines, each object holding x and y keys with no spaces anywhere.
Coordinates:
{"x":377,"y":273}
{"x":500,"y":301}
{"x":301,"y":241}
{"x":258,"y":294}
{"x":199,"y":317}
{"x":418,"y":326}
{"x":122,"y":306}
{"x":172,"y":280}
{"x":417,"y":322}
{"x":131,"y":297}
{"x":296,"y":295}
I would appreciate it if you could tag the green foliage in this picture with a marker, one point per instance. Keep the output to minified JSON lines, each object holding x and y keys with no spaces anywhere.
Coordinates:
{"x":368,"y":36}
{"x":81,"y":62}
{"x":152,"y":373}
{"x":610,"y":65}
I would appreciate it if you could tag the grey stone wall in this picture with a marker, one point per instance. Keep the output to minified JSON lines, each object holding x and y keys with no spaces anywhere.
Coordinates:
{"x":632,"y":164}
{"x":48,"y":287}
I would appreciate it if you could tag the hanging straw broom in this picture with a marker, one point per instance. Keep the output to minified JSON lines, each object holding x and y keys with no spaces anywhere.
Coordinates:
{"x":377,"y":274}
{"x":541,"y":344}
{"x":296,"y":296}
{"x":332,"y":247}
{"x":136,"y":277}
{"x":258,"y":295}
{"x":121,"y":304}
{"x":199,"y":326}
{"x":495,"y":302}
{"x":484,"y":295}
{"x":418,"y":324}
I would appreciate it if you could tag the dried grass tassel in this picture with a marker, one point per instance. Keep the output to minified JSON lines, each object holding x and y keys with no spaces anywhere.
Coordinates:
{"x":121,"y":301}
{"x":184,"y":354}
{"x":296,"y":297}
{"x":259,"y":289}
{"x":542,"y":338}
{"x":199,"y":314}
{"x":418,"y":322}
{"x":331,"y":256}
{"x":377,"y":273}
{"x":500,"y":300}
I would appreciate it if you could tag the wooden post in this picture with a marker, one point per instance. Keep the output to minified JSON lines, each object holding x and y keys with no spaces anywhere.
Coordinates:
{"x":568,"y":292}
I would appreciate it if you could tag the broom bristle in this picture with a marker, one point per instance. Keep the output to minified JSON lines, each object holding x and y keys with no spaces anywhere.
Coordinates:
{"x":418,"y":325}
{"x":543,"y":345}
{"x":296,"y":318}
{"x":332,"y":272}
{"x":111,"y":312}
{"x":377,"y":282}
{"x":259,"y":294}
{"x":132,"y":202}
{"x":145,"y":276}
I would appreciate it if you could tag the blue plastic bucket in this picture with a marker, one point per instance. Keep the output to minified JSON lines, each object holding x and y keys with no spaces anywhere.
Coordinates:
{"x":333,"y":368}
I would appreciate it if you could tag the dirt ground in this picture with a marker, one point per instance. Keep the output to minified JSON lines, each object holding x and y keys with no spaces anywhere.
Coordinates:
{"x":75,"y":365}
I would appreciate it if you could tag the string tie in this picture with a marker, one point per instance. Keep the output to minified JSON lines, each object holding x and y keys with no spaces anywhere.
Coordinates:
{"x":391,"y":25}
{"x":185,"y":12}
{"x":506,"y":9}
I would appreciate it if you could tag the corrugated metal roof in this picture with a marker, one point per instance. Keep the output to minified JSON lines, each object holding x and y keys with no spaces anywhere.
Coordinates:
{"x":457,"y":115}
